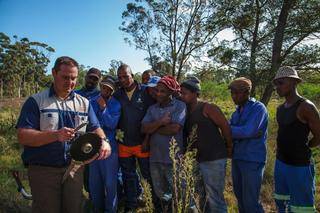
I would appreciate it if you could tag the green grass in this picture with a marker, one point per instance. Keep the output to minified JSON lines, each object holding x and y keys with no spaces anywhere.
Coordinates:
{"x":10,"y":150}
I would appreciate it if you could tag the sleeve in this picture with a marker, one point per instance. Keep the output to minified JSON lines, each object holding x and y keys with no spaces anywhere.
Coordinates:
{"x":110,"y":115}
{"x":255,"y":123}
{"x":30,"y":115}
{"x":179,"y":115}
{"x":93,"y":120}
{"x":148,"y":116}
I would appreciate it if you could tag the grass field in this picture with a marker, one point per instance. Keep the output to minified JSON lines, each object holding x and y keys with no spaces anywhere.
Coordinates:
{"x":11,"y":200}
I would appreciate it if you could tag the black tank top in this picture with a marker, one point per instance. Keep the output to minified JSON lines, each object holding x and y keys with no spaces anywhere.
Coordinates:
{"x":292,"y":140}
{"x":209,"y":143}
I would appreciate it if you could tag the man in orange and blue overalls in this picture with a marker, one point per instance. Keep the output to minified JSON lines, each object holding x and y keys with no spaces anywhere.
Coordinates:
{"x":134,"y":102}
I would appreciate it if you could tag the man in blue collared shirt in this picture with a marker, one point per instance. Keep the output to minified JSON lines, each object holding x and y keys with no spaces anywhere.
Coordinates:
{"x":45,"y":126}
{"x":249,"y":132}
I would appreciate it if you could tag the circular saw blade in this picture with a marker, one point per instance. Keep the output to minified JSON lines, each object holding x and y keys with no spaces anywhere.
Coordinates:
{"x":85,"y":146}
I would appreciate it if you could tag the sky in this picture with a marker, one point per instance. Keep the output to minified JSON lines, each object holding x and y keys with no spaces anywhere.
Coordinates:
{"x":85,"y":30}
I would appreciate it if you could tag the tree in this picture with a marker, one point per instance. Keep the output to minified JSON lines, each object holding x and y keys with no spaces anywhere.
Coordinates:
{"x":175,"y":31}
{"x":22,"y":66}
{"x":290,"y":32}
{"x":114,"y":65}
{"x":262,"y":41}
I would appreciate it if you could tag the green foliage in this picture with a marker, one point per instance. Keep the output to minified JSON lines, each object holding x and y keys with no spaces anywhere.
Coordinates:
{"x":310,"y":91}
{"x":172,"y":31}
{"x":22,"y":66}
{"x":10,"y":151}
{"x":263,"y":43}
{"x":184,"y":195}
{"x":212,"y":90}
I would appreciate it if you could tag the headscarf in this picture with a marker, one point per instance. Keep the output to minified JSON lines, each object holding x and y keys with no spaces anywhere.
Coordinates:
{"x":241,"y":83}
{"x":170,"y":82}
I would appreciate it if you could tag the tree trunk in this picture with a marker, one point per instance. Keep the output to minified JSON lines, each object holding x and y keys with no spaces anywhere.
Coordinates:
{"x":277,"y":47}
{"x":254,"y":45}
{"x":1,"y":89}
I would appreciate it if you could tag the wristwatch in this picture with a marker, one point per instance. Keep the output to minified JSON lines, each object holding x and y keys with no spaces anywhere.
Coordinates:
{"x":105,"y":139}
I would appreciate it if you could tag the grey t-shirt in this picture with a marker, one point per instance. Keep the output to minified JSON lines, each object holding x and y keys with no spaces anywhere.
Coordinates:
{"x":159,"y":144}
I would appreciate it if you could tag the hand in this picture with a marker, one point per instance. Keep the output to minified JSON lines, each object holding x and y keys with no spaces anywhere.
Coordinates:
{"x":105,"y":150}
{"x":65,"y":134}
{"x":102,"y":103}
{"x":166,"y":119}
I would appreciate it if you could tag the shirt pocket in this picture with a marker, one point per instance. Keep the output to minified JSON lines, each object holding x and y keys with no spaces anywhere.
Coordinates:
{"x":49,"y":121}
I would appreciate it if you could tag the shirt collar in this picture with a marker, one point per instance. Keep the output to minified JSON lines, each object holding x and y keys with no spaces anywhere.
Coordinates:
{"x":138,"y":87}
{"x":249,"y":102}
{"x":89,"y":90}
{"x":172,"y":102}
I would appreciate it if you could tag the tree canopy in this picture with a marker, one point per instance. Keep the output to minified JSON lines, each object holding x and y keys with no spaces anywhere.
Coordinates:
{"x":22,"y":66}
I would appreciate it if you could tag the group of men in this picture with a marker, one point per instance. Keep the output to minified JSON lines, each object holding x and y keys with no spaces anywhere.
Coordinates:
{"x":148,"y":116}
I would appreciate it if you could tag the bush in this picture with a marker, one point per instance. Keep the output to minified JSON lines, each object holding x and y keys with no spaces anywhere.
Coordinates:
{"x":310,"y":91}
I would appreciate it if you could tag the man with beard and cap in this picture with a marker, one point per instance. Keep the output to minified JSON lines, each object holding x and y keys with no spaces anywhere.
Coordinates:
{"x":249,"y":133}
{"x":103,"y":174}
{"x":90,"y":89}
{"x":294,"y":168}
{"x":164,"y":120}
{"x":213,"y":143}
{"x":134,"y":102}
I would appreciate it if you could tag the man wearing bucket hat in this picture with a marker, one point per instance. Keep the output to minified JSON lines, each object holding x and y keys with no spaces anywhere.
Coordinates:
{"x":294,"y":170}
{"x":249,"y":133}
{"x":103,"y":174}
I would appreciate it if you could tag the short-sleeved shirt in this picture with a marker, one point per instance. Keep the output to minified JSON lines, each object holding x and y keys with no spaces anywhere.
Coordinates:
{"x":159,"y":144}
{"x":44,"y":111}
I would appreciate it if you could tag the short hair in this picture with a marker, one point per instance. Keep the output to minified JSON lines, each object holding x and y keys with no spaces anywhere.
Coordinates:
{"x":151,"y":72}
{"x":65,"y":60}
{"x":125,"y":67}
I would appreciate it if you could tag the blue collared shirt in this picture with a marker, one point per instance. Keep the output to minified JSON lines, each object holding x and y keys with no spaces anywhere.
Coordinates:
{"x":108,"y":118}
{"x":159,"y":144}
{"x":44,"y":111}
{"x":88,"y":93}
{"x":249,"y":132}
